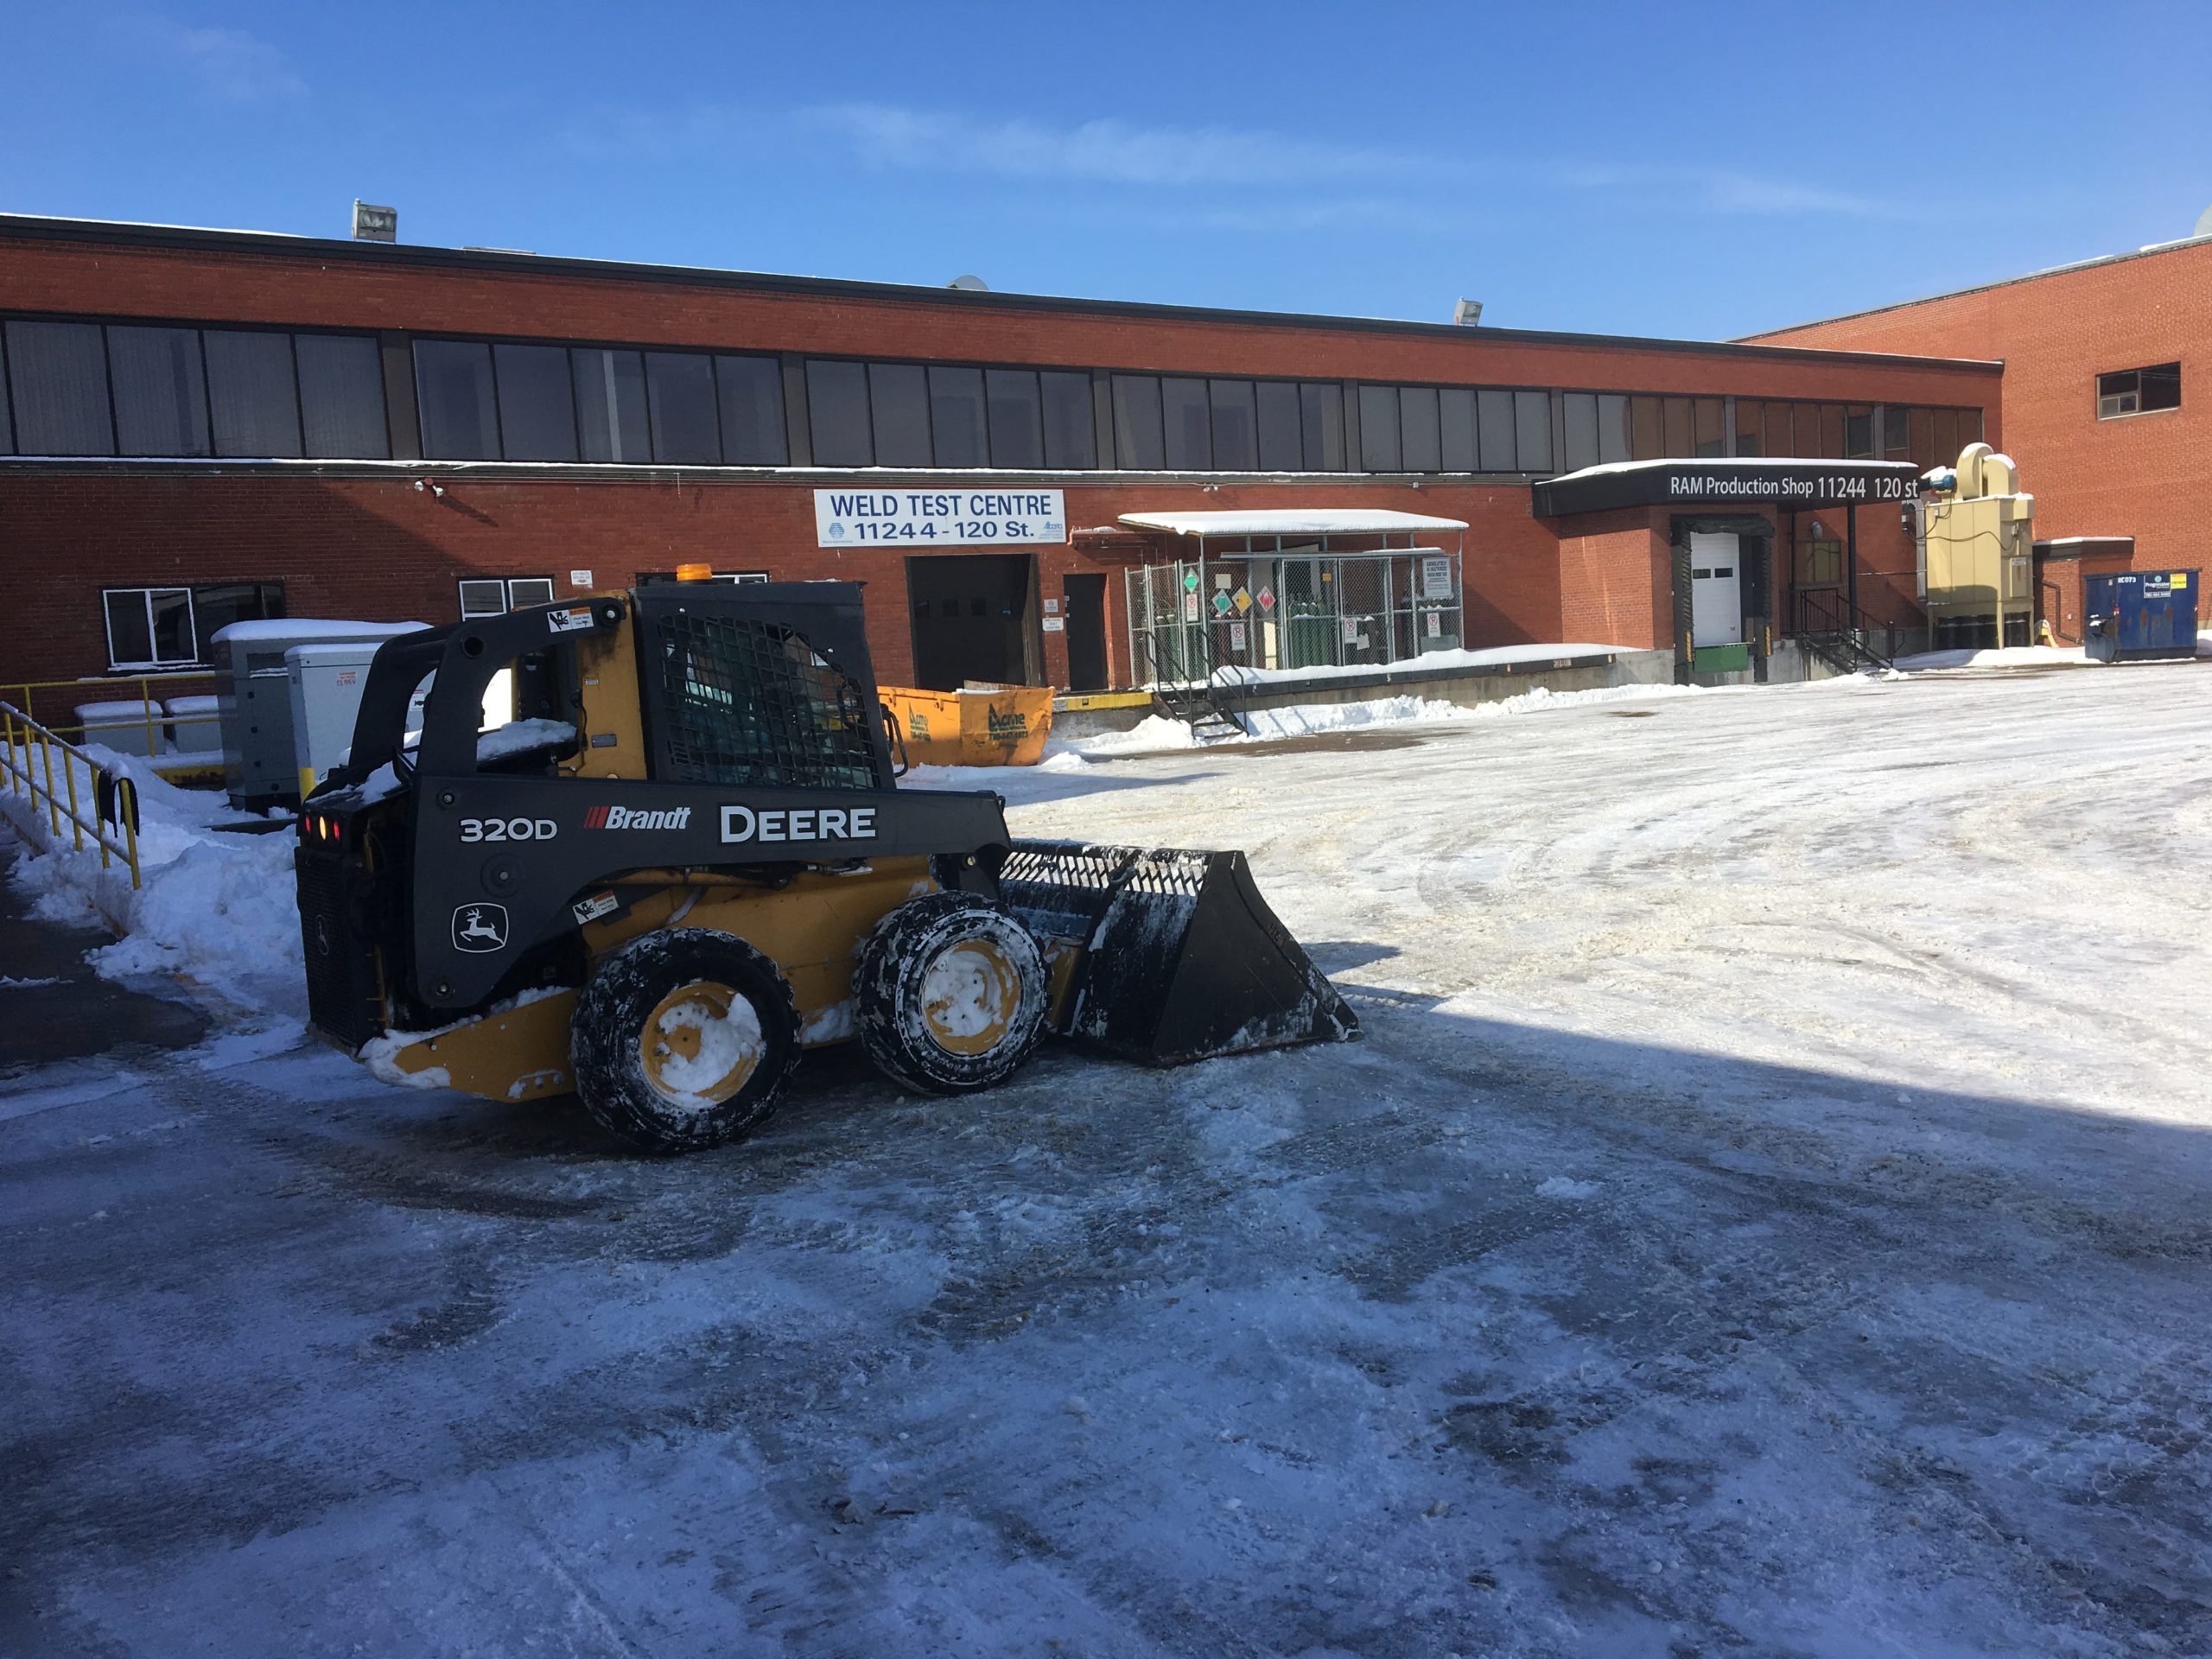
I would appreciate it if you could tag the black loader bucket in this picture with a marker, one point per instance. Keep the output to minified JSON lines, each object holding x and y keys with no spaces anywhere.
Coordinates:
{"x":1180,"y":958}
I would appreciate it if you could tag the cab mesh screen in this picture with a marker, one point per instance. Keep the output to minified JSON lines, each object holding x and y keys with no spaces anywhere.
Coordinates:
{"x":746,"y":702}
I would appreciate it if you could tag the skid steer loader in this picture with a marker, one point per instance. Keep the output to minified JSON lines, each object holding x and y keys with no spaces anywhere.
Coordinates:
{"x":686,"y":860}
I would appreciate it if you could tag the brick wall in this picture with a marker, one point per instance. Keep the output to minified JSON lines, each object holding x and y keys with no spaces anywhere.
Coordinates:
{"x":377,"y":548}
{"x":1617,"y":577}
{"x":2144,"y":475}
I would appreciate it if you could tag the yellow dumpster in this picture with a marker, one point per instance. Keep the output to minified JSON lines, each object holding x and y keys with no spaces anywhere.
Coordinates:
{"x":976,"y":725}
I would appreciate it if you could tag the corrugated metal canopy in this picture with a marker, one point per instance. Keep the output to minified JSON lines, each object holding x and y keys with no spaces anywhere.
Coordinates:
{"x":1291,"y":521}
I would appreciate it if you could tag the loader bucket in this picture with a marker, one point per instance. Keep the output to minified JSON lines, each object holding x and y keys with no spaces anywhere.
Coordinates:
{"x":1180,"y":958}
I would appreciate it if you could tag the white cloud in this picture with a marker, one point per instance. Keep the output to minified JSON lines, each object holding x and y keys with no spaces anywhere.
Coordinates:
{"x":227,"y":64}
{"x":1105,"y":151}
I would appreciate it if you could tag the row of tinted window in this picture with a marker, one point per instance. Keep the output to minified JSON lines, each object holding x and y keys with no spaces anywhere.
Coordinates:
{"x":1181,"y":423}
{"x":949,"y":414}
{"x":134,"y":389}
{"x":483,"y":401}
{"x":1454,"y":429}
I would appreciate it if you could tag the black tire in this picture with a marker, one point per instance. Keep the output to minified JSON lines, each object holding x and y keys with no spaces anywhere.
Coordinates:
{"x":910,"y":1024}
{"x":661,"y":1099}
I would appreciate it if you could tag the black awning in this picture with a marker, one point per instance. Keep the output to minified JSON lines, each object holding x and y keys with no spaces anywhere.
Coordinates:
{"x":1743,"y":482}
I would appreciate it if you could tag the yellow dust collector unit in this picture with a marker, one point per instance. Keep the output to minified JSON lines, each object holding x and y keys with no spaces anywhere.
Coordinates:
{"x":1977,"y":572}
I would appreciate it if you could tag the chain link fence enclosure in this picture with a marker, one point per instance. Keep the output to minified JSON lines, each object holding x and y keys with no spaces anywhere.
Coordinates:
{"x":1289,"y":608}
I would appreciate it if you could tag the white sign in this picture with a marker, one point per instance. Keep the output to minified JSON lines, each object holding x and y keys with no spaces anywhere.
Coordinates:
{"x":579,"y":578}
{"x":1436,"y":578}
{"x":1237,"y":636}
{"x":1054,"y":624}
{"x":938,"y":517}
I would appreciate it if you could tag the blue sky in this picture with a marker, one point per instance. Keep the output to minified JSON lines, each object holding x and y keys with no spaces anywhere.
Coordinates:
{"x":1697,"y":171}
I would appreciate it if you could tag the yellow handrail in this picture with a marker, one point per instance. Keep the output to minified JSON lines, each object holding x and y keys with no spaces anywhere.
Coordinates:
{"x":150,"y":708}
{"x":19,"y":735}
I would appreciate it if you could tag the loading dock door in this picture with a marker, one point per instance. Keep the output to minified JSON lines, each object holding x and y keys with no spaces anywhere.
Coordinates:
{"x":973,"y":619}
{"x":1084,"y":601}
{"x":1716,"y":589}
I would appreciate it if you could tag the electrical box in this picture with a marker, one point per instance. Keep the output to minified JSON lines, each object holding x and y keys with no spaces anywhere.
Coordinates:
{"x":261,"y":766}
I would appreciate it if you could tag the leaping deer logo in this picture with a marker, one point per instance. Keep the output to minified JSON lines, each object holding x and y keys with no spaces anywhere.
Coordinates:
{"x":480,"y":927}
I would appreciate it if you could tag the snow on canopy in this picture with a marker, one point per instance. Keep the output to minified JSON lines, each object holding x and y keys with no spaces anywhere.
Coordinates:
{"x":1290,"y":521}
{"x":304,"y":628}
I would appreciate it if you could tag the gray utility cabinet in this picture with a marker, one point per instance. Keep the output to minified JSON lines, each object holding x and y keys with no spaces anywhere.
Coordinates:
{"x":261,"y":755}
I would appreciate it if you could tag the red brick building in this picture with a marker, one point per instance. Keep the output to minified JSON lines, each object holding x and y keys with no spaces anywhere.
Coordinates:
{"x":2104,"y":368}
{"x":202,"y":425}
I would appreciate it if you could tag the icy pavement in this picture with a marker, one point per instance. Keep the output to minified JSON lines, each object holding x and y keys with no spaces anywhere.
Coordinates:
{"x":1769,"y":1214}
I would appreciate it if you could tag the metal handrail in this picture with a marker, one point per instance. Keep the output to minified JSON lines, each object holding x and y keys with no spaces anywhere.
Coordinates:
{"x":151,"y":711}
{"x":21,"y":773}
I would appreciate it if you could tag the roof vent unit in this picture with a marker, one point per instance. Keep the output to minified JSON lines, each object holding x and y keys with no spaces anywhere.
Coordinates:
{"x":1467,"y":313}
{"x":375,"y":224}
{"x":969,"y":284}
{"x":2204,"y":223}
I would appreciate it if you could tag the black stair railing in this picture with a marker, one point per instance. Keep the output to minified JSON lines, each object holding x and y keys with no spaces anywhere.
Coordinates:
{"x":1838,"y":631}
{"x":1183,"y":665}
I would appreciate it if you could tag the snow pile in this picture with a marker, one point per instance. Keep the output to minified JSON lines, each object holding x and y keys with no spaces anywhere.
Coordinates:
{"x":214,"y":907}
{"x":1488,"y":657}
{"x":2010,"y":657}
{"x":1156,"y":733}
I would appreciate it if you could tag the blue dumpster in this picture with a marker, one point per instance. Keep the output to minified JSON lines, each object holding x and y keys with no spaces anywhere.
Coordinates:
{"x":2139,"y":616}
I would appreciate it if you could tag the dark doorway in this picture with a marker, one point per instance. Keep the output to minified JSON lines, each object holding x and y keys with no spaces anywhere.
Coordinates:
{"x":973,"y":619}
{"x":1083,"y":599}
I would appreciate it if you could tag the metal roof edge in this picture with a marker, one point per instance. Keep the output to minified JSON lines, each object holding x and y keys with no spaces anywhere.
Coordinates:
{"x":30,"y":228}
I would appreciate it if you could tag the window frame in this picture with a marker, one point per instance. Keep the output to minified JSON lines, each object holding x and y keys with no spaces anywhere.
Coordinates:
{"x":151,"y":664}
{"x":2114,"y":396}
{"x":507,"y":600}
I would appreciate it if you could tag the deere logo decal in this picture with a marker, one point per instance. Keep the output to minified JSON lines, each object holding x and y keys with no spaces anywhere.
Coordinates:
{"x":630,"y":817}
{"x":480,"y":927}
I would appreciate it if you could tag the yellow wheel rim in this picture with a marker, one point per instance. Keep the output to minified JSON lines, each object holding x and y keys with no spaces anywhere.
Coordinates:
{"x":971,"y":997}
{"x":701,"y":1043}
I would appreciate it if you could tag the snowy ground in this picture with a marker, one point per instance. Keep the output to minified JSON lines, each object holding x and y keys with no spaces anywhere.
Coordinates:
{"x":1772,"y":1213}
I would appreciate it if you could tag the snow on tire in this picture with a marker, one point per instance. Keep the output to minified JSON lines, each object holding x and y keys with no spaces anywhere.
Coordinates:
{"x":949,"y":993}
{"x":682,"y":1039}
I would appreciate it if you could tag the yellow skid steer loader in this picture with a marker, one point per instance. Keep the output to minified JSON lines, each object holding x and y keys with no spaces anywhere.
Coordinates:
{"x":687,"y":860}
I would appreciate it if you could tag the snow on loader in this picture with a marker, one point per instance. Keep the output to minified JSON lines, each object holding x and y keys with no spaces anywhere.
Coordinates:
{"x":686,"y":861}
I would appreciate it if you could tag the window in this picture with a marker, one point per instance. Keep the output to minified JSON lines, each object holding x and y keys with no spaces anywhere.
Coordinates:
{"x":1858,"y":434}
{"x":611,"y":420}
{"x":957,"y":417}
{"x":537,"y":411}
{"x":1321,"y":410}
{"x":1016,"y":421}
{"x":1378,"y":429}
{"x":1676,"y":440}
{"x":680,"y":407}
{"x":1495,"y":412}
{"x":7,"y":425}
{"x":1419,"y":442}
{"x":57,"y":375}
{"x":253,"y":392}
{"x":1532,"y":420}
{"x":1897,"y":433}
{"x":739,"y":700}
{"x":1706,"y":420}
{"x":2139,"y":391}
{"x":161,"y":391}
{"x":1581,"y":435}
{"x":1820,"y":563}
{"x":1070,"y":436}
{"x":1647,"y":428}
{"x":453,"y":391}
{"x":898,"y":408}
{"x":1236,"y":426}
{"x":836,"y":412}
{"x":495,"y":596}
{"x":750,"y":393}
{"x":341,"y":396}
{"x":1187,"y":423}
{"x":1612,"y":427}
{"x":1455,"y":413}
{"x":149,"y":627}
{"x":1277,"y":410}
{"x":1139,"y":441}
{"x":165,"y":627}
